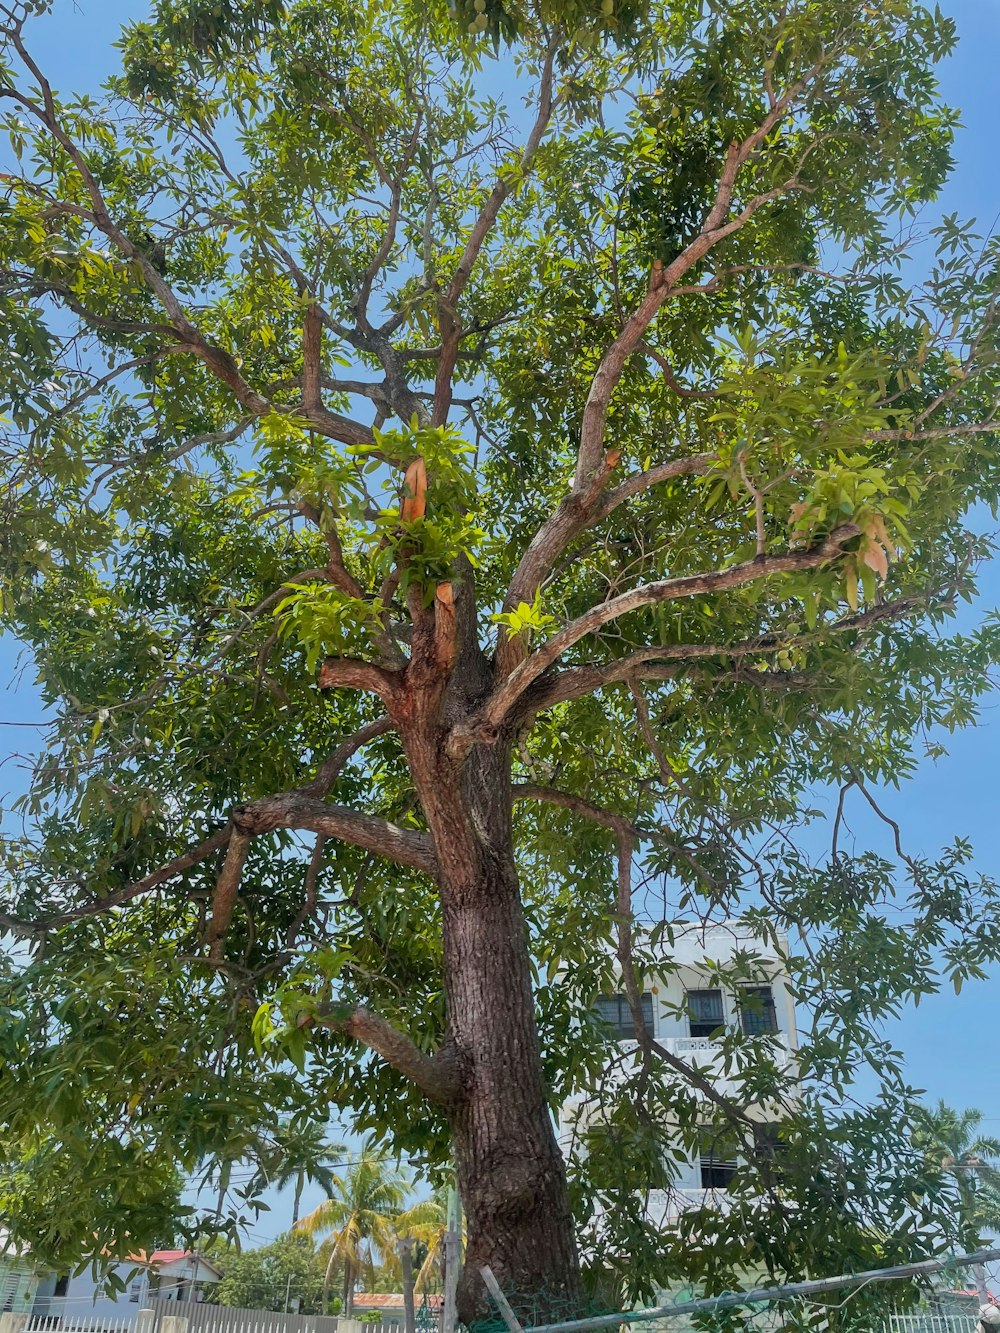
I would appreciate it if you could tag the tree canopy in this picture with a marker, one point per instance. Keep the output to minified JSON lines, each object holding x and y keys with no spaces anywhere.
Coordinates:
{"x":287,"y":1274}
{"x":474,"y":473}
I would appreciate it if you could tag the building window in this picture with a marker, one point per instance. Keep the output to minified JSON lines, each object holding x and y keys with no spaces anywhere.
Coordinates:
{"x":705,"y":1014}
{"x":717,"y":1160}
{"x":757,"y":1013}
{"x":615,"y":1011}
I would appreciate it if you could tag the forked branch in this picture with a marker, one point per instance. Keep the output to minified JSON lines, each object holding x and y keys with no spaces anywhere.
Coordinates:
{"x":295,"y":810}
{"x":163,"y":874}
{"x":592,"y":473}
{"x":448,"y":317}
{"x":663,"y":661}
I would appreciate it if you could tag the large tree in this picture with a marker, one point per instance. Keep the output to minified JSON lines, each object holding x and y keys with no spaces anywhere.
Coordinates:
{"x":285,"y":1275}
{"x":456,"y":457}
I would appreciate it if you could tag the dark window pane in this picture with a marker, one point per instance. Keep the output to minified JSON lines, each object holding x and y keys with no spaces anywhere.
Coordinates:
{"x":705,"y":1014}
{"x":718,"y":1160}
{"x":716,"y":1175}
{"x":757,"y":1013}
{"x":614,"y":1010}
{"x":607,"y":1010}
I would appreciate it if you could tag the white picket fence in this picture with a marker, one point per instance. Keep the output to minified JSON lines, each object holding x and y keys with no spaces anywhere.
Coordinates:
{"x":230,"y":1319}
{"x":79,"y":1323}
{"x":187,"y":1317}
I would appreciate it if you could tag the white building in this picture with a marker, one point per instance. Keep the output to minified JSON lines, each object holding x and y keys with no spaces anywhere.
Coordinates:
{"x":170,"y":1275}
{"x":688,"y":1009}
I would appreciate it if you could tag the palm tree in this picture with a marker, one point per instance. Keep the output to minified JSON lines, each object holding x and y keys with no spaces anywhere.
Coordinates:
{"x":298,"y":1152}
{"x":427,"y":1223}
{"x":429,"y":1229}
{"x":358,"y":1216}
{"x":951,"y":1139}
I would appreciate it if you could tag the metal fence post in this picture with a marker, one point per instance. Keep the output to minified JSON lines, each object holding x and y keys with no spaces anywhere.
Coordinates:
{"x":503,"y":1305}
{"x":406,"y":1264}
{"x":452,"y":1258}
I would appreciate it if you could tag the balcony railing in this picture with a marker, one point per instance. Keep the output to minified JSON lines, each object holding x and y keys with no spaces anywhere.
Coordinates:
{"x":687,"y":1046}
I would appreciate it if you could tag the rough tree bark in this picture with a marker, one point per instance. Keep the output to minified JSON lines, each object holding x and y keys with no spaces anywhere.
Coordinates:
{"x":511,"y":1173}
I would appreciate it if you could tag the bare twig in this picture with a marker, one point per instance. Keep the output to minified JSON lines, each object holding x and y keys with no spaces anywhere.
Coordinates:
{"x":448,"y":318}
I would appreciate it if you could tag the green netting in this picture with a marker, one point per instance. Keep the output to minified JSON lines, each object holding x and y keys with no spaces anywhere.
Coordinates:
{"x":427,"y":1320}
{"x":538,"y":1307}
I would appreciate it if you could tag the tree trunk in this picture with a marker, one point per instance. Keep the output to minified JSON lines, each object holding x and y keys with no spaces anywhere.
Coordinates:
{"x":511,"y":1174}
{"x":296,"y":1202}
{"x":406,"y":1266}
{"x":348,"y":1287}
{"x":328,"y":1280}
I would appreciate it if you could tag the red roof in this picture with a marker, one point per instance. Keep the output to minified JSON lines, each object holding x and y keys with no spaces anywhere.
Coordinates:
{"x":164,"y":1258}
{"x":393,"y":1300}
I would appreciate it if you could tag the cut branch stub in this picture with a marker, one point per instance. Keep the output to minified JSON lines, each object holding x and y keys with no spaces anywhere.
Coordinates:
{"x":445,"y":645}
{"x":414,"y":504}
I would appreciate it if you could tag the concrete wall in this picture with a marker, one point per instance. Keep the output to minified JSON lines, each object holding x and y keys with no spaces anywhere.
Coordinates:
{"x":12,"y":1323}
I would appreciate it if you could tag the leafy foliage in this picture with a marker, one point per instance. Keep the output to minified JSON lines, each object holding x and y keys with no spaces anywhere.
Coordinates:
{"x":299,"y":1152}
{"x":272,"y":1277}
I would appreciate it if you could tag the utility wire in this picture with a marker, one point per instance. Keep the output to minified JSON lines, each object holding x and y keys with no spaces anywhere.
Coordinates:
{"x":764,"y":1295}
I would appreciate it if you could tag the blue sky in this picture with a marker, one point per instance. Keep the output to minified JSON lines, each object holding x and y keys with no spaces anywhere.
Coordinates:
{"x":952,"y":1043}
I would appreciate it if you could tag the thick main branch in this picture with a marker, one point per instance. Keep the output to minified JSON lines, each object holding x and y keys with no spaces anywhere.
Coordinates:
{"x":439,"y":1076}
{"x":170,"y":870}
{"x":295,"y":810}
{"x":592,"y":467}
